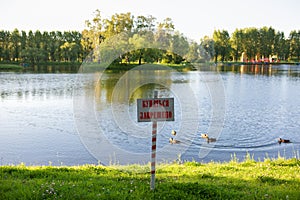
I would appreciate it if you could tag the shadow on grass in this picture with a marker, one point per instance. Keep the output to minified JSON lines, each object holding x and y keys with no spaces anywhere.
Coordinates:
{"x":214,"y":187}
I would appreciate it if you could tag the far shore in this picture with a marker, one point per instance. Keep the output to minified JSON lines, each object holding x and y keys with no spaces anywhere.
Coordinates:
{"x":17,"y":66}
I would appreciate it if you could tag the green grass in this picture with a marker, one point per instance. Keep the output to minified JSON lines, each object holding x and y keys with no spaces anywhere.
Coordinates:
{"x":258,"y":63}
{"x":125,"y":67}
{"x":10,"y":67}
{"x":271,"y":179}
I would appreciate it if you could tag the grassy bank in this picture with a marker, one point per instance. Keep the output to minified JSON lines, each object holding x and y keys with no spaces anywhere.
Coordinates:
{"x":124,"y":66}
{"x":271,"y":179}
{"x":4,"y":66}
{"x":258,"y":63}
{"x":10,"y":67}
{"x":119,"y":67}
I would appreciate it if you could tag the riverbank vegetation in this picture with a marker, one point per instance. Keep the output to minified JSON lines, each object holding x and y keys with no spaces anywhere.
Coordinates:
{"x":254,"y":45}
{"x":269,"y":179}
{"x":8,"y":67}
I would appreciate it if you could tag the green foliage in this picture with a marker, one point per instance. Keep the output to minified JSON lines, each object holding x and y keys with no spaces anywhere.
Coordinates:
{"x":221,"y":44}
{"x":10,"y":67}
{"x":208,"y":45}
{"x":295,"y":44}
{"x":264,"y":42}
{"x":36,"y":47}
{"x":73,"y":46}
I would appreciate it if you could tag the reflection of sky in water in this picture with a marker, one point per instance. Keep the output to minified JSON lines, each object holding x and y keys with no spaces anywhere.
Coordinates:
{"x":37,"y":125}
{"x":36,"y":120}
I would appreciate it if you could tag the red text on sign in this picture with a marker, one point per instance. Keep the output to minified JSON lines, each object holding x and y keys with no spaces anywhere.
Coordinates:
{"x":155,"y":103}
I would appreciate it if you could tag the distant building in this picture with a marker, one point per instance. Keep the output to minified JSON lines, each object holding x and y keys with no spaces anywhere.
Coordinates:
{"x":259,"y":59}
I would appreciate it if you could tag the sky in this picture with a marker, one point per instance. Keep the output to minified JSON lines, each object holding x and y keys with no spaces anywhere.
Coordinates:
{"x":193,"y":18}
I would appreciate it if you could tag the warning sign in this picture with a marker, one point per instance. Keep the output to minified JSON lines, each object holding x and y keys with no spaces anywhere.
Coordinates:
{"x":159,"y":109}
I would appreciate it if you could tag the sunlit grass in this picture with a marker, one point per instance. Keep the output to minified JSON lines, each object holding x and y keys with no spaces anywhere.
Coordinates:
{"x":10,"y":67}
{"x":271,"y":179}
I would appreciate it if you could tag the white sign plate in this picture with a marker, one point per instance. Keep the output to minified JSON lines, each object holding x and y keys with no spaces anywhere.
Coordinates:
{"x":159,"y":109}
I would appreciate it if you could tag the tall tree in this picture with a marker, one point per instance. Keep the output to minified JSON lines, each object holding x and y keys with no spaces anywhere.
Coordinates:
{"x":236,"y":41}
{"x":281,"y":46}
{"x":266,"y":43}
{"x":251,"y":42}
{"x":179,"y":47}
{"x":4,"y":45}
{"x":295,"y":44}
{"x":15,"y":45}
{"x":93,"y":35}
{"x":222,"y":44}
{"x":163,"y":37}
{"x":118,"y":23}
{"x":193,"y":53}
{"x":208,"y":45}
{"x":143,"y":23}
{"x":71,"y":46}
{"x":167,"y":25}
{"x":23,"y":41}
{"x":140,"y":42}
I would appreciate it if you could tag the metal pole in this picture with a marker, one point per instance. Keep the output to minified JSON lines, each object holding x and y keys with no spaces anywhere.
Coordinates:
{"x":153,"y":152}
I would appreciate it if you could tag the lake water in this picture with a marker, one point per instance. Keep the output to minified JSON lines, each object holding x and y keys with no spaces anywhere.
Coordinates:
{"x":90,"y":118}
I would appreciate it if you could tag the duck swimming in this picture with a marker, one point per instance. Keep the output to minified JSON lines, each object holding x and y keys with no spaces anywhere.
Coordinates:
{"x":173,"y":132}
{"x":211,"y":140}
{"x":173,"y":141}
{"x":280,"y":140}
{"x":208,"y":139}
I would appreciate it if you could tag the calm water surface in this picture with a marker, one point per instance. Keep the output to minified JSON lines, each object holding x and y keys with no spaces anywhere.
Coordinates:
{"x":39,"y":121}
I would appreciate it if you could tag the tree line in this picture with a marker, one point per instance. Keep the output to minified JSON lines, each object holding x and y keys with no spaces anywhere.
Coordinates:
{"x":74,"y":46}
{"x":255,"y":44}
{"x":37,"y":47}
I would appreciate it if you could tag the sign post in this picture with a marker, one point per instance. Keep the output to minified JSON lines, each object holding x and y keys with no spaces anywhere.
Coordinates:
{"x":153,"y":151}
{"x":154,"y":110}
